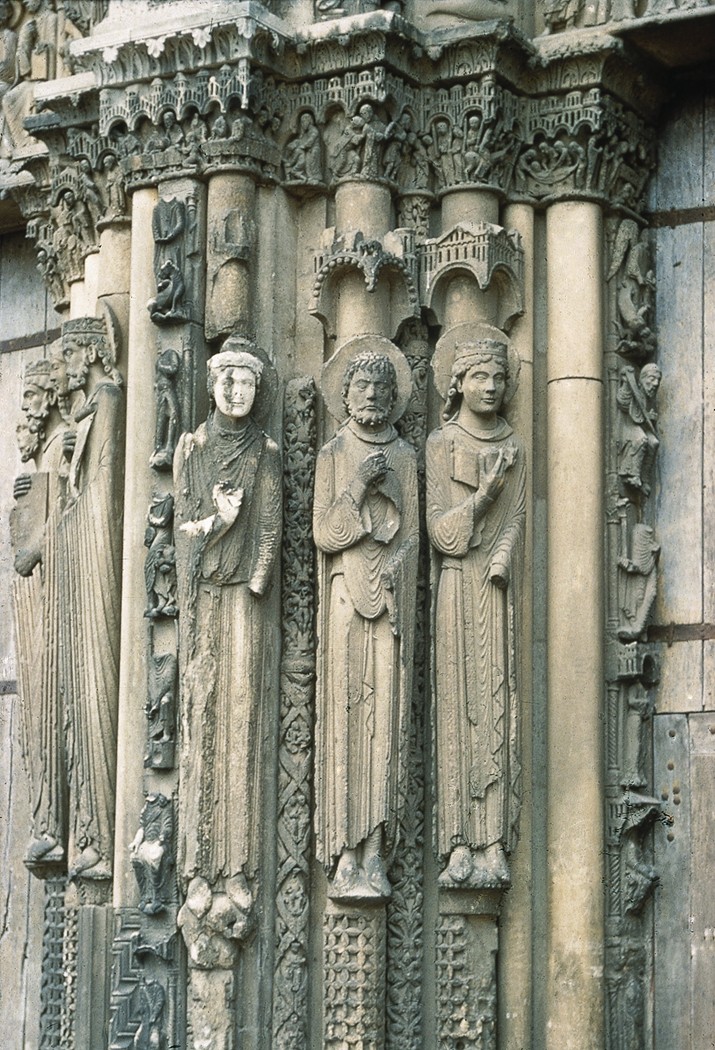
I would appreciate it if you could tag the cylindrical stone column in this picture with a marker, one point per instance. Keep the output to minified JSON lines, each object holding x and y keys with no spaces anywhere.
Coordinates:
{"x":139,"y":372}
{"x":575,"y":517}
{"x":464,"y":300}
{"x":363,"y":206}
{"x":230,"y":254}
{"x":515,"y":934}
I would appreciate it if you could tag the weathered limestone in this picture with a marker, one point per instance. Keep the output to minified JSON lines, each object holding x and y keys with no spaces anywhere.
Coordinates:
{"x":575,"y":627}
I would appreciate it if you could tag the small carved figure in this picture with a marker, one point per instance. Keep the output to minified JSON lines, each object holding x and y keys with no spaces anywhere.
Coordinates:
{"x":476,"y":510}
{"x":114,"y":193}
{"x":151,"y":855}
{"x":160,"y":564}
{"x":169,"y":133}
{"x":477,"y":153}
{"x":560,"y":14}
{"x":365,"y":525}
{"x":167,"y":410}
{"x":148,"y":1001}
{"x":227,"y":479}
{"x":637,"y":439}
{"x":358,"y":151}
{"x":638,"y":583}
{"x":302,"y":156}
{"x":160,"y":710}
{"x":446,"y":152}
{"x":170,"y":288}
{"x":195,"y":138}
{"x":89,"y":192}
{"x":636,"y":284}
{"x":219,"y":129}
{"x":639,"y":711}
{"x":47,"y":264}
{"x":169,"y":224}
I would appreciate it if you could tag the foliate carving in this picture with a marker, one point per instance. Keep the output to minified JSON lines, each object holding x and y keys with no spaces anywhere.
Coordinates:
{"x":160,"y":564}
{"x":160,"y":710}
{"x":476,"y":509}
{"x":365,"y":525}
{"x":354,"y":979}
{"x":168,"y":412}
{"x":466,"y":999}
{"x":227,"y":481}
{"x":290,"y":1011}
{"x":152,"y":854}
{"x":632,"y":265}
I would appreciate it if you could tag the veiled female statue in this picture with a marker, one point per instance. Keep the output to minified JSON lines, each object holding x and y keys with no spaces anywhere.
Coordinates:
{"x":476,"y":496}
{"x":227,"y":478}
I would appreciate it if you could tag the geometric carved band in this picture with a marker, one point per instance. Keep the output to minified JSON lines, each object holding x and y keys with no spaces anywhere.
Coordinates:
{"x":681,"y":632}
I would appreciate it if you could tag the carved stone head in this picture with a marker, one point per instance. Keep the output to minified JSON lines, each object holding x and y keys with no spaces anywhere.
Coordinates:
{"x":234,"y":378}
{"x":38,"y":391}
{"x":649,"y":379}
{"x":28,"y":441}
{"x":370,"y":388}
{"x":85,"y":341}
{"x":469,"y":380}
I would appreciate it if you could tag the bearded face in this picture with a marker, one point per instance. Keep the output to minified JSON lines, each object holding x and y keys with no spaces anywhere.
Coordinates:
{"x":76,"y":365}
{"x":369,"y":397}
{"x":35,"y":401}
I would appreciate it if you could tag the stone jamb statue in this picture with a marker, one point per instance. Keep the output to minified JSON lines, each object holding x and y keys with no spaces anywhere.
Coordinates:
{"x":476,"y":511}
{"x":227,"y":526}
{"x":365,"y":526}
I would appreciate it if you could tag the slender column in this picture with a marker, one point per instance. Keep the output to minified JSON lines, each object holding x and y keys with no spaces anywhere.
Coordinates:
{"x":230,"y":254}
{"x":574,"y":993}
{"x":515,"y":940}
{"x":139,"y":371}
{"x":362,"y":206}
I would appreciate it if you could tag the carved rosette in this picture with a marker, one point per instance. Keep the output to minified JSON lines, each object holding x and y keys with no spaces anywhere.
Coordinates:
{"x":354,"y":978}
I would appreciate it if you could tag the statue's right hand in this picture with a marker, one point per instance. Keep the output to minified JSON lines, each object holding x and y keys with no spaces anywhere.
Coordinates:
{"x":492,"y":479}
{"x":69,"y":440}
{"x":22,"y":485}
{"x":373,"y":469}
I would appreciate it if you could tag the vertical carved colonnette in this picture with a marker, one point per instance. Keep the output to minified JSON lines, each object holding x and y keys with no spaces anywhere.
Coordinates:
{"x":405,"y":909}
{"x":69,"y":967}
{"x":290,"y":1014}
{"x":632,"y":671}
{"x":52,"y":989}
{"x":466,"y":996}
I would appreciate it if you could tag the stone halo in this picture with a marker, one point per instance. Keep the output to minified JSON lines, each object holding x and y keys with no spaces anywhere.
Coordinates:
{"x":268,"y":387}
{"x":335,"y":367}
{"x":471,"y":332}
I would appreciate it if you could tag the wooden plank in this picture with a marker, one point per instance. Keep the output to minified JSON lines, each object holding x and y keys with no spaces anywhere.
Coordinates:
{"x":702,"y":865}
{"x":679,"y":496}
{"x":679,"y":182}
{"x":23,"y":306}
{"x":671,"y":770}
{"x":681,"y":678}
{"x":708,"y":408}
{"x":709,"y":150}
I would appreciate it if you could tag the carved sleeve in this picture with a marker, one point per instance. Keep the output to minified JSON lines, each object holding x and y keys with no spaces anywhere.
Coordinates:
{"x":511,"y":537}
{"x":268,"y":495}
{"x":338,"y":521}
{"x":450,"y":527}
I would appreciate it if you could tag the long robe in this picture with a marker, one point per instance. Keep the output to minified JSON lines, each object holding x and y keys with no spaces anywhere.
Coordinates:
{"x":89,"y":552}
{"x":36,"y":626}
{"x":476,"y":636}
{"x":227,"y":650}
{"x":366,"y":639}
